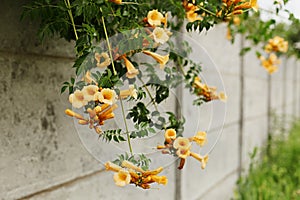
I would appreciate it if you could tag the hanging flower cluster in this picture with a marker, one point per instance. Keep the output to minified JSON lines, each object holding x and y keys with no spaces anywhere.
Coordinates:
{"x":181,"y":146}
{"x":128,"y":173}
{"x":98,"y":95}
{"x":223,"y":12}
{"x":206,"y":92}
{"x":275,"y":45}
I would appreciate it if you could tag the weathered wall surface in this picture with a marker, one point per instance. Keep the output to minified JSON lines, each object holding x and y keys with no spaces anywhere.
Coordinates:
{"x":43,"y":158}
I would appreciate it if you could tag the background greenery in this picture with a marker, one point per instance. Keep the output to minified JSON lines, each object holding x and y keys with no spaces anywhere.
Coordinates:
{"x":277,"y":175}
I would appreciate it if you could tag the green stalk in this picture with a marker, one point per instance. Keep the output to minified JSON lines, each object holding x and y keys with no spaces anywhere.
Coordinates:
{"x":115,"y":73}
{"x":208,"y":11}
{"x":151,"y":97}
{"x":126,"y":126}
{"x":67,"y":2}
{"x":108,"y":44}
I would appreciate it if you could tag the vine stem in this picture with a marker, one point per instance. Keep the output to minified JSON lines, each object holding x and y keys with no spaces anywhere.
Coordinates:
{"x":108,"y":44}
{"x":67,"y":2}
{"x":151,"y":97}
{"x":115,"y":73}
{"x":126,"y":126}
{"x":208,"y":11}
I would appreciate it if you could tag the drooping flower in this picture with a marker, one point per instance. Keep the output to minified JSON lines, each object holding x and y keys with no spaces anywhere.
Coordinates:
{"x":190,"y":11}
{"x":131,"y":70}
{"x":159,"y":179}
{"x":89,"y":91}
{"x":130,"y":92}
{"x":182,"y":143}
{"x":88,"y":78}
{"x":122,"y":178}
{"x":103,"y":59}
{"x":198,"y":84}
{"x":130,"y":165}
{"x":277,"y":44}
{"x":160,"y":35}
{"x":155,"y":18}
{"x":183,"y":152}
{"x":202,"y":159}
{"x":77,"y":99}
{"x":109,"y":166}
{"x":106,"y":113}
{"x":271,"y":63}
{"x":170,"y":135}
{"x":109,"y":96}
{"x":162,"y":60}
{"x":200,"y":138}
{"x":192,"y":16}
{"x":71,"y":113}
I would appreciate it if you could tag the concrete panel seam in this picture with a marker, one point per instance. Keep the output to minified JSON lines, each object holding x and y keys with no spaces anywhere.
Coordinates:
{"x":223,"y":179}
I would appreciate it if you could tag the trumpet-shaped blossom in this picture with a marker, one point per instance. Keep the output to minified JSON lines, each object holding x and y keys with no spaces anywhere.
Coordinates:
{"x":200,"y":138}
{"x":130,"y":92}
{"x":89,"y":91}
{"x":131,"y":70}
{"x":182,"y":143}
{"x":183,"y":152}
{"x":155,"y":18}
{"x":77,"y":99}
{"x":122,"y":178}
{"x":109,"y":96}
{"x":160,"y":35}
{"x":162,"y":60}
{"x":103,"y":59}
{"x":170,"y":135}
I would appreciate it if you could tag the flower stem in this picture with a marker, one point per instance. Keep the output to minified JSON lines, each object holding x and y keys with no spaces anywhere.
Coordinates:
{"x":208,"y":11}
{"x":126,"y":127}
{"x":151,"y":97}
{"x":67,"y":2}
{"x":108,"y":44}
{"x":115,"y":73}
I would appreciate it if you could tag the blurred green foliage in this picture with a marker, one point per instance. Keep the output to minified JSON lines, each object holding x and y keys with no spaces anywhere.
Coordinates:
{"x":277,"y":175}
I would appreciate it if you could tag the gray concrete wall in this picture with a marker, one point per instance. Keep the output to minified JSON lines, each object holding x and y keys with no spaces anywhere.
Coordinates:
{"x":43,"y":158}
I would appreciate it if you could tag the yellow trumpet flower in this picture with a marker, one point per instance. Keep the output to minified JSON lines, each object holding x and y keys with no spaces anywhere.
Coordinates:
{"x":109,"y":166}
{"x":200,"y":138}
{"x":89,"y":91}
{"x":155,"y":18}
{"x":170,"y":135}
{"x":159,"y":179}
{"x":183,"y":152}
{"x":103,"y":59}
{"x":130,"y":92}
{"x":182,"y":143}
{"x":130,"y":165}
{"x":122,"y":178}
{"x":162,"y":60}
{"x":131,"y":70}
{"x":77,"y":99}
{"x":71,"y":113}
